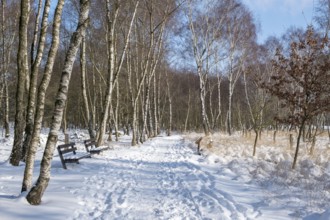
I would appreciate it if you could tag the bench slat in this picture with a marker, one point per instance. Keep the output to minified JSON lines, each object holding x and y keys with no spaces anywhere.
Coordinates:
{"x":91,"y":147}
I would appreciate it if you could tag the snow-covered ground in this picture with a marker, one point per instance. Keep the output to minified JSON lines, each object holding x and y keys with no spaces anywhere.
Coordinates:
{"x":165,"y":179}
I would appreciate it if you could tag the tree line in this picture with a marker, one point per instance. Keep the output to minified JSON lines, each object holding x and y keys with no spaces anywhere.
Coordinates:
{"x":146,"y":66}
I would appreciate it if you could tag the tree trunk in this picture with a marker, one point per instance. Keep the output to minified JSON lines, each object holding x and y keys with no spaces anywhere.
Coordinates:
{"x":6,"y":121}
{"x":22,"y":69}
{"x":202,"y":93}
{"x":155,"y":108}
{"x":111,"y":20}
{"x":145,"y":110}
{"x":5,"y":64}
{"x":84,"y":89}
{"x":37,"y":191}
{"x":255,"y":142}
{"x":116,"y":113}
{"x":31,"y":151}
{"x":169,"y":128}
{"x":34,"y":77}
{"x":229,"y":129}
{"x":188,"y":111}
{"x":301,"y":128}
{"x":114,"y":68}
{"x":219,"y":100}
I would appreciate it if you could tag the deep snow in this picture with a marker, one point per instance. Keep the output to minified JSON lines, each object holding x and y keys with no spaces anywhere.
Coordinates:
{"x":164,"y":178}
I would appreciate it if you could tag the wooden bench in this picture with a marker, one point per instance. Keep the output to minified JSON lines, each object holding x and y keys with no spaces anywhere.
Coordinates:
{"x":91,"y":147}
{"x":68,"y":154}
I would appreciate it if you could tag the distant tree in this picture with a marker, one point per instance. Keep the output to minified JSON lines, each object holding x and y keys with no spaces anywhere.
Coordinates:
{"x":206,"y":21}
{"x":114,"y":63}
{"x":257,"y":99}
{"x":240,"y":34}
{"x":301,"y":81}
{"x":323,"y":14}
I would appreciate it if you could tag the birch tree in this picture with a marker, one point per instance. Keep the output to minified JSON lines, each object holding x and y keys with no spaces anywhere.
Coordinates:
{"x":157,"y":22}
{"x":114,"y":67}
{"x":323,"y":15}
{"x":35,"y":65}
{"x":240,"y":33}
{"x":207,"y":21}
{"x":144,"y":61}
{"x":22,"y":70}
{"x":87,"y":110}
{"x":37,"y":191}
{"x":7,"y":43}
{"x":41,"y":95}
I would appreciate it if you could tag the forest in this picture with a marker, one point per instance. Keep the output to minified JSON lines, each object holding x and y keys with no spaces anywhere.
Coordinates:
{"x":149,"y":66}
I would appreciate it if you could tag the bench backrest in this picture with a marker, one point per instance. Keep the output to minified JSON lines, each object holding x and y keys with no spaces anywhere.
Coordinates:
{"x":89,"y":144}
{"x":89,"y":141}
{"x":66,"y":148}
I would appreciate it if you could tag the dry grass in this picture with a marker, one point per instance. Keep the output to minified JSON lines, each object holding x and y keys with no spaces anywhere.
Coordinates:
{"x":241,"y":145}
{"x":308,"y":185}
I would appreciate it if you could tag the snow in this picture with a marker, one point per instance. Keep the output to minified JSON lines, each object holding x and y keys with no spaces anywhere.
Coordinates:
{"x":164,"y":178}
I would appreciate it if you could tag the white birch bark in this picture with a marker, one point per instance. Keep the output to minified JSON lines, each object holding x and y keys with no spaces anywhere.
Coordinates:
{"x":114,"y":68}
{"x":37,"y":191}
{"x":188,"y":112}
{"x":87,"y":111}
{"x":27,"y":180}
{"x":22,"y":69}
{"x":169,"y":95}
{"x":34,"y":76}
{"x":5,"y":63}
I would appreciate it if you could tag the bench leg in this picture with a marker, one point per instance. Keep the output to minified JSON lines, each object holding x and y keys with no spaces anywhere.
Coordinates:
{"x":199,"y":149}
{"x":64,"y":165}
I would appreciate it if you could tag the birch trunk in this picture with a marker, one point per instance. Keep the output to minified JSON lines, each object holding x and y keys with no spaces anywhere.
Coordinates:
{"x":22,"y":69}
{"x":37,"y":191}
{"x":34,"y":77}
{"x":155,"y":107}
{"x":5,"y":64}
{"x":146,"y":110}
{"x":202,"y":95}
{"x":169,"y":129}
{"x":27,"y":180}
{"x":219,"y":100}
{"x":84,"y":89}
{"x":114,"y":68}
{"x":116,"y":113}
{"x":188,"y":112}
{"x":199,"y":53}
{"x":111,"y":68}
{"x":230,"y":92}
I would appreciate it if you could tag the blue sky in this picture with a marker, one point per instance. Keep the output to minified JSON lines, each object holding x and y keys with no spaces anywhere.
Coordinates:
{"x":276,"y":16}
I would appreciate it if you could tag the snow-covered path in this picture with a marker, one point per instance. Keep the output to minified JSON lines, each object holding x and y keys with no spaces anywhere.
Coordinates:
{"x":163,"y":179}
